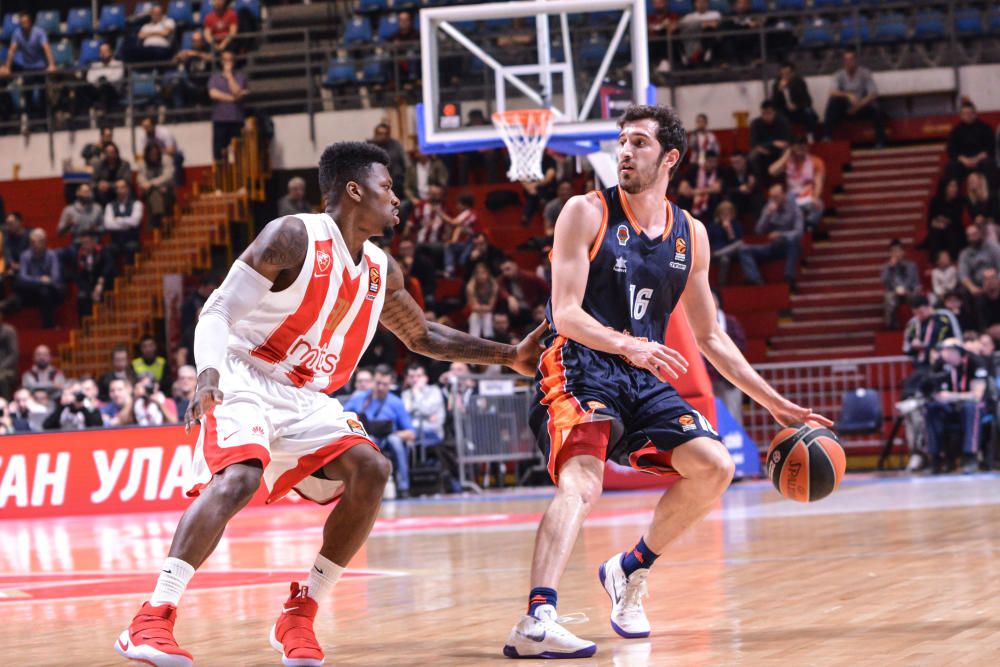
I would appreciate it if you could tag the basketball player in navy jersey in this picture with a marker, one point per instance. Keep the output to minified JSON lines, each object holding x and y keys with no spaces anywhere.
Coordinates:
{"x":604,"y":391}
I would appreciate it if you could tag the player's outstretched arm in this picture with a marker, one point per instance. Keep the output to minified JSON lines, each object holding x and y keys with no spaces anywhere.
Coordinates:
{"x":402,"y":316}
{"x":719,"y":348}
{"x":575,"y":234}
{"x":280,"y":247}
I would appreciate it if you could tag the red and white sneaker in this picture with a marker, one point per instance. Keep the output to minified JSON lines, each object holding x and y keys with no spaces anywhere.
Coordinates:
{"x":150,"y":638}
{"x":293,"y":635}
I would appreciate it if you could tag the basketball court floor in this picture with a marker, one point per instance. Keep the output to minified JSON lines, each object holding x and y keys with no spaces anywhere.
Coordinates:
{"x":887,"y":571}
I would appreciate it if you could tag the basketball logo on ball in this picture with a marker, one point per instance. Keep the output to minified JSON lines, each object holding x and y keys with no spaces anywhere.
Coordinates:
{"x":806,"y":462}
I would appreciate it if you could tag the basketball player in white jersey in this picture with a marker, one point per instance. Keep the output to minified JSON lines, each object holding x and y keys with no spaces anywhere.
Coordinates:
{"x":287,"y":327}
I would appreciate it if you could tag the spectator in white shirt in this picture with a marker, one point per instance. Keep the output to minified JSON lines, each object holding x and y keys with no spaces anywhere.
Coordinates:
{"x":156,"y":37}
{"x":698,"y":27}
{"x":105,"y":76}
{"x":426,"y":405}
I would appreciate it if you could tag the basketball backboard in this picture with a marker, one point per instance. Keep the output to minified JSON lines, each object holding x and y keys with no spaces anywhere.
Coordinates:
{"x":584,"y":59}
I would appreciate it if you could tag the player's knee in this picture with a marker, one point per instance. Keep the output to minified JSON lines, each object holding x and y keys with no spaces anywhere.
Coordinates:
{"x":720,"y":468}
{"x":235,"y":486}
{"x":371,"y":471}
{"x":584,"y":492}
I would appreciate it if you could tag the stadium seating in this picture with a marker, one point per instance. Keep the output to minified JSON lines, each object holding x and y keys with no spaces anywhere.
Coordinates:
{"x":62,"y":54}
{"x":854,"y":29}
{"x":680,"y":7}
{"x":3,"y":53}
{"x":187,"y":39}
{"x":388,"y":27}
{"x":250,"y":6}
{"x":968,"y":22}
{"x":817,"y":35}
{"x":861,"y":412}
{"x":372,"y":6}
{"x":143,"y":88}
{"x":358,"y":31}
{"x":827,"y":4}
{"x":181,"y":12}
{"x":142,"y":8}
{"x":890,"y":28}
{"x":790,"y":5}
{"x":112,"y":18}
{"x":9,"y":26}
{"x":340,"y":73}
{"x":375,"y":70}
{"x":90,"y":51}
{"x":48,"y":21}
{"x":80,"y":21}
{"x":929,"y":25}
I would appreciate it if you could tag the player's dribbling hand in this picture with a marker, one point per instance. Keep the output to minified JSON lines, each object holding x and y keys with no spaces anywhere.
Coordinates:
{"x":787,"y":413}
{"x":205,"y":398}
{"x":660,"y":360}
{"x":529,"y":350}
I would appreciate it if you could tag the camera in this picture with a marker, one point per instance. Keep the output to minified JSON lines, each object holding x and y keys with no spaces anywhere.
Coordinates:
{"x":79,"y":397}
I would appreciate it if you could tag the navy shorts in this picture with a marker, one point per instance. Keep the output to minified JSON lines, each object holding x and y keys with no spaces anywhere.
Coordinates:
{"x":647,"y":417}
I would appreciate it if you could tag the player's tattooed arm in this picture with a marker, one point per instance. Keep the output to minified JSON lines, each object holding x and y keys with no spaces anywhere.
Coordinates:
{"x":403,"y":317}
{"x":281,"y":246}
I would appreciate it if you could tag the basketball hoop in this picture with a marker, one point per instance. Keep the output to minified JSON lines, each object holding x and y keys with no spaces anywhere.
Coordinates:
{"x":525,"y":132}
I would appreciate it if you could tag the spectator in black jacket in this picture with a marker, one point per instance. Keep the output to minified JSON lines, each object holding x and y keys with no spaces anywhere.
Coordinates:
{"x":74,"y":412}
{"x":93,"y":273}
{"x":15,"y":242}
{"x":9,"y":356}
{"x":970,"y":145}
{"x":791,"y":97}
{"x":769,"y":137}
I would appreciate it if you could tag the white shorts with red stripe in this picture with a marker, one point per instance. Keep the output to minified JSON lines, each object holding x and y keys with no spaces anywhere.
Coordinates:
{"x":292,"y":432}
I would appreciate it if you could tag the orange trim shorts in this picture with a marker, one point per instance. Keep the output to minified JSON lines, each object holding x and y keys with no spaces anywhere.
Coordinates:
{"x":293,"y":433}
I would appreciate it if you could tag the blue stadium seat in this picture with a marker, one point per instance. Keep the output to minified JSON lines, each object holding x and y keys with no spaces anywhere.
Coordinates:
{"x":465,"y":27}
{"x":790,"y":5}
{"x":90,"y":51}
{"x":341,"y":72}
{"x":358,"y":31}
{"x":817,"y":35}
{"x":375,"y":70}
{"x":861,"y":412}
{"x":609,"y":18}
{"x":890,"y":28}
{"x":388,"y":27}
{"x":251,"y":6}
{"x":9,"y":26}
{"x":968,"y":22}
{"x":142,"y":8}
{"x":187,"y":38}
{"x":592,"y":53}
{"x":497,"y":25}
{"x":825,"y":4}
{"x":372,"y":6}
{"x":928,"y":25}
{"x":62,"y":54}
{"x":721,"y":6}
{"x":143,"y":87}
{"x":852,"y":30}
{"x":680,"y":6}
{"x":48,"y":21}
{"x":406,"y":4}
{"x":758,"y":6}
{"x":181,"y":12}
{"x":994,"y":19}
{"x":3,"y":53}
{"x":112,"y":18}
{"x":80,"y":21}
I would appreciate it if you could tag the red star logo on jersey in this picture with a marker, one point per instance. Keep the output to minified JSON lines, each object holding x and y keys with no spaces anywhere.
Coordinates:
{"x":323,"y":262}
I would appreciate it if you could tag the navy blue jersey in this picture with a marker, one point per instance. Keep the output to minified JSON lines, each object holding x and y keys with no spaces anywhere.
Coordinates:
{"x":634,"y":281}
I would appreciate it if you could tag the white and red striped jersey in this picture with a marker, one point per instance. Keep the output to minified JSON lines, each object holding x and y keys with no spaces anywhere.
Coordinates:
{"x":312,"y":333}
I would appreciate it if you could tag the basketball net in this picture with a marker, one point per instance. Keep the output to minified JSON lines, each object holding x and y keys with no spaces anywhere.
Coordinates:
{"x":525,"y":132}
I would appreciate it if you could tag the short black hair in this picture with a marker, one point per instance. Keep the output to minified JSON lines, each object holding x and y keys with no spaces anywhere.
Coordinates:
{"x":766,"y":104}
{"x":467,"y":199}
{"x":344,"y":162}
{"x":919,"y":301}
{"x":789,"y":64}
{"x":385,"y":369}
{"x":145,"y":338}
{"x":895,"y":243}
{"x":967,"y":104}
{"x":415,"y":365}
{"x":670,"y":130}
{"x":799,"y":140}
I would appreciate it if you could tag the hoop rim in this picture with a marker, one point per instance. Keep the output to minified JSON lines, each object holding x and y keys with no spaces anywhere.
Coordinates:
{"x":531,"y":122}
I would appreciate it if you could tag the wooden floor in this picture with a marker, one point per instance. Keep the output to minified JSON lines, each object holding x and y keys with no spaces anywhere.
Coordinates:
{"x":885,"y":572}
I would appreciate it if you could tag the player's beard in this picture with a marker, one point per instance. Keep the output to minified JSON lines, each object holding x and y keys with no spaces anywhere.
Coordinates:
{"x":642,"y":179}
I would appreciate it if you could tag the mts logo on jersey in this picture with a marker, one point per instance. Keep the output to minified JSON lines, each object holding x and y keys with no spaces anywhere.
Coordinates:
{"x":316,"y":359}
{"x":374,"y":283}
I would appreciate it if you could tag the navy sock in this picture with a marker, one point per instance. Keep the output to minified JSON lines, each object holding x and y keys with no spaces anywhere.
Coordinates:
{"x":639,"y":557}
{"x":540,"y":596}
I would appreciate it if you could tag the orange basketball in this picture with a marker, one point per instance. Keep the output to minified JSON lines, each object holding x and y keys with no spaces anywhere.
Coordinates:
{"x":806,"y":462}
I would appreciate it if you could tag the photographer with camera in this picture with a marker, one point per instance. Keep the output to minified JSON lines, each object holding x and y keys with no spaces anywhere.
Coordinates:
{"x":75,"y":411}
{"x":150,"y":406}
{"x":956,"y":387}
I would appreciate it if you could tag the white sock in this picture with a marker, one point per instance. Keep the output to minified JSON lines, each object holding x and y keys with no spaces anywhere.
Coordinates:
{"x":174,"y":577}
{"x":322,"y":577}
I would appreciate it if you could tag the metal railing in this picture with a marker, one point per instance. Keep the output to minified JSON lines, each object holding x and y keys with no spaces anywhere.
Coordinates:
{"x":820,"y":386}
{"x":292,"y":79}
{"x":490,"y":418}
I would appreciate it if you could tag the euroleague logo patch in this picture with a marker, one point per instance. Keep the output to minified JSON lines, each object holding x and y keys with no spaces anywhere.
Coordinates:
{"x":356,"y":427}
{"x":323,"y":262}
{"x":623,"y":235}
{"x":686,"y":422}
{"x":374,"y":282}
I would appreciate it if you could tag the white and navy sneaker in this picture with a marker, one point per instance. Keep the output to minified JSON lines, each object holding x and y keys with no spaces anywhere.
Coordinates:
{"x":626,"y":592}
{"x":542,"y":636}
